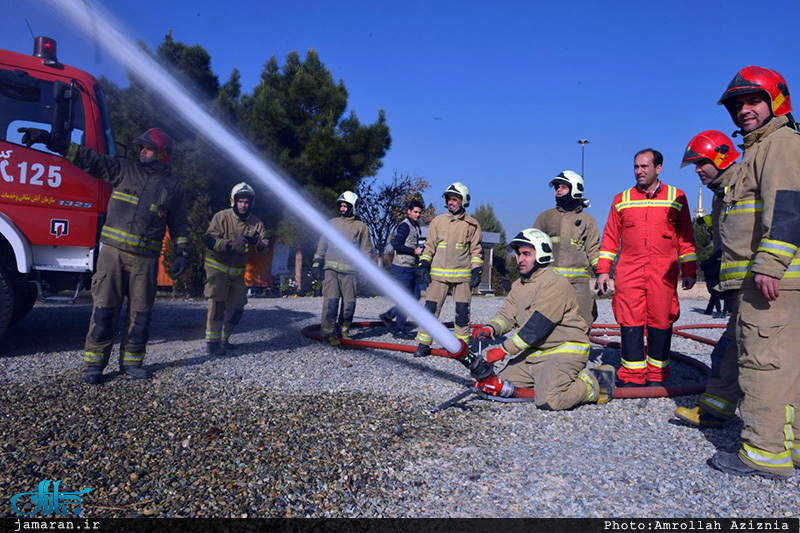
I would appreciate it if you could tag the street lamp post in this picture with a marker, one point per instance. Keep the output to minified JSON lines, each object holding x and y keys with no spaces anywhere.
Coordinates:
{"x":583,"y":143}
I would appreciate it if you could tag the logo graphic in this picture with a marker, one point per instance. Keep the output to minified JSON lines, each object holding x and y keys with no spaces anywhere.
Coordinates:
{"x":59,"y":227}
{"x":47,"y":502}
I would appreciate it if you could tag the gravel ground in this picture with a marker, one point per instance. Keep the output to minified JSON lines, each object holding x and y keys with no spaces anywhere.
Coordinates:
{"x":288,"y":427}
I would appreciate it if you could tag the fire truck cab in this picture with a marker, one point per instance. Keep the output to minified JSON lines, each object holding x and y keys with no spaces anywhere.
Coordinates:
{"x":51,"y":213}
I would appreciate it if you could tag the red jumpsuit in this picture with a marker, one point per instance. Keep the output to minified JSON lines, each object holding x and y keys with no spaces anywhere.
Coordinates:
{"x":651,"y":233}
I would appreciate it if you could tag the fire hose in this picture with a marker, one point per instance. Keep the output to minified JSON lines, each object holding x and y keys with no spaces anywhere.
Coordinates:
{"x":596,"y":335}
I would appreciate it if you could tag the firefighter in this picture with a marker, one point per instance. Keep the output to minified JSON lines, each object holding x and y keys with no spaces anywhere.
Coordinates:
{"x":147,"y":198}
{"x":452,"y":260}
{"x":650,"y":229}
{"x":714,"y":156}
{"x":551,"y":347}
{"x":230,"y":237}
{"x":576,"y":239}
{"x":340,"y":279}
{"x":406,"y":254}
{"x":760,"y":233}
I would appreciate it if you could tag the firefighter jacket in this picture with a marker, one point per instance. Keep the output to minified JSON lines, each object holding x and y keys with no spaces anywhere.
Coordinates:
{"x":453,"y":247}
{"x":760,"y":223}
{"x":354,"y":231}
{"x":649,"y":229}
{"x":406,"y":240}
{"x":145,"y":200}
{"x":550,"y":295}
{"x":718,"y":188}
{"x":225,"y":227}
{"x":576,"y":240}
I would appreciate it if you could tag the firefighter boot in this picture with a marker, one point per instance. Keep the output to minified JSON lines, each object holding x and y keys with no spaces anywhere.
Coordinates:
{"x":731,"y":463}
{"x":423,"y":350}
{"x":93,"y":375}
{"x":605,"y":378}
{"x":332,"y":340}
{"x":699,"y":417}
{"x":215,"y":349}
{"x":136,"y":372}
{"x":633,"y":371}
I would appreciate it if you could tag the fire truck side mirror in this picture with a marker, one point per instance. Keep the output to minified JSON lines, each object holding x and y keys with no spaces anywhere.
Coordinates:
{"x":64,"y":96}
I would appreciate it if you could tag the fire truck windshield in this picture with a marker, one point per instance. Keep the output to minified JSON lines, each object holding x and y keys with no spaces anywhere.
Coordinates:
{"x":28,"y":102}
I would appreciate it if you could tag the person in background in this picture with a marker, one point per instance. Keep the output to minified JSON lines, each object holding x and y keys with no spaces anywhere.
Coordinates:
{"x":576,"y":239}
{"x":404,"y":265}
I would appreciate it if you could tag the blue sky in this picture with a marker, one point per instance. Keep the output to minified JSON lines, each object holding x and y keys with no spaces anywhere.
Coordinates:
{"x":491,"y":94}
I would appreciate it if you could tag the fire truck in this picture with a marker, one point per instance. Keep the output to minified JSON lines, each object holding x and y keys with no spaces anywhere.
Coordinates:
{"x":51,"y":213}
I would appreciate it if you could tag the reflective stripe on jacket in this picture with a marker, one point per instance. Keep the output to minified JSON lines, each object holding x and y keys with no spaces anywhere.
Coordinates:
{"x":760,"y":222}
{"x":146,"y":200}
{"x":225,"y":227}
{"x":354,"y":231}
{"x":551,"y":295}
{"x":453,"y":247}
{"x":644,"y":230}
{"x":576,"y":240}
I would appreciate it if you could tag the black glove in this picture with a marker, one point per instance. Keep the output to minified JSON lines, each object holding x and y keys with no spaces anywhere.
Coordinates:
{"x":424,"y":273}
{"x":316,"y":269}
{"x":34,"y":136}
{"x":58,"y":144}
{"x":181,"y":263}
{"x":475,"y":280}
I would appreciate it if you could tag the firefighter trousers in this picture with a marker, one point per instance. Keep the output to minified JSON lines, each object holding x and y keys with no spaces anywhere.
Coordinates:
{"x":227,"y":296}
{"x":769,"y":376}
{"x":561,"y":380}
{"x":722,"y":392}
{"x":121,"y":275}
{"x":338,"y":291}
{"x":586,"y":302}
{"x":435,"y":296}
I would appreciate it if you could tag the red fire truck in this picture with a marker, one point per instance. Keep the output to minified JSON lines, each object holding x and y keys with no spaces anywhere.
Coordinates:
{"x":51,"y":212}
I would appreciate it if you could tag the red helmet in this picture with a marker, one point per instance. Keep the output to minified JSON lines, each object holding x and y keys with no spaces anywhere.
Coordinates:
{"x":713,"y":145}
{"x":758,"y":79}
{"x":159,"y":141}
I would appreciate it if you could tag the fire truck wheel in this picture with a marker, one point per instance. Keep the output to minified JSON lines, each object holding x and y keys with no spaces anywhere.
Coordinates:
{"x":6,"y":300}
{"x":25,"y":294}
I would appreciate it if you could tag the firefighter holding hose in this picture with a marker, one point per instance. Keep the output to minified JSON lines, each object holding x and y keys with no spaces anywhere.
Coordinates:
{"x":550,"y":350}
{"x":230,"y":237}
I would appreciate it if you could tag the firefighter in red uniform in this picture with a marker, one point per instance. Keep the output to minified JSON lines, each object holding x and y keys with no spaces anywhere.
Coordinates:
{"x":650,"y":229}
{"x":714,"y":157}
{"x":760,"y":233}
{"x":147,"y":198}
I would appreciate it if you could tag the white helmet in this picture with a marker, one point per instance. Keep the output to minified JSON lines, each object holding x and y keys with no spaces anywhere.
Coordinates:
{"x":458,"y":189}
{"x":242,"y":189}
{"x":538,"y":240}
{"x":351,"y":199}
{"x":573,"y":179}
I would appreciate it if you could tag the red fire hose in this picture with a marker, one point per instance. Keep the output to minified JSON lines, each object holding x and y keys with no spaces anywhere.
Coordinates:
{"x":596,"y":336}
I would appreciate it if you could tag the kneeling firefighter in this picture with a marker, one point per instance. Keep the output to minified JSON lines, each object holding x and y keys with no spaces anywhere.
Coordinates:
{"x":551,"y":347}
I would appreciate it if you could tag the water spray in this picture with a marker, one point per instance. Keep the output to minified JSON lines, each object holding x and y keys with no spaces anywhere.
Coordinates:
{"x":88,"y":16}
